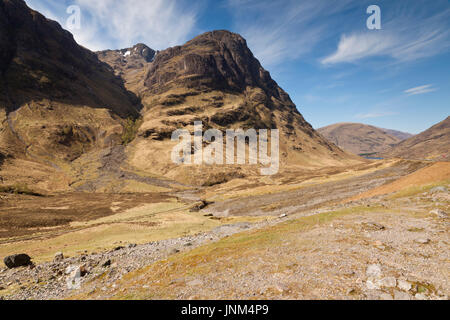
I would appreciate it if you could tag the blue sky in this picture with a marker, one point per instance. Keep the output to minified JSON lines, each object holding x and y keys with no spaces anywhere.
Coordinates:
{"x":321,"y":52}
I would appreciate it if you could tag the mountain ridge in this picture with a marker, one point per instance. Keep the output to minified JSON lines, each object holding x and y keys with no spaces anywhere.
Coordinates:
{"x":431,"y":144}
{"x":359,"y":138}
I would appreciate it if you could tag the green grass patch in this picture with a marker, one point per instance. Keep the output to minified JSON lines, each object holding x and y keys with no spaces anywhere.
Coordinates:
{"x":130,"y":130}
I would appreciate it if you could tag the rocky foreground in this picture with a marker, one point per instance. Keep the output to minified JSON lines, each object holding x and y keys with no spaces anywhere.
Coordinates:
{"x":378,"y":251}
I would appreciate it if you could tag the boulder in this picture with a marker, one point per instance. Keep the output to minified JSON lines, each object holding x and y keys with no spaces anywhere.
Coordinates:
{"x":59,"y":256}
{"x":439,"y":213}
{"x":372,"y":226}
{"x":438,"y":189}
{"x":399,"y":295}
{"x":374,"y":270}
{"x":423,"y":241}
{"x":404,"y":285}
{"x":106,"y":263}
{"x":17,"y":260}
{"x":200,"y":206}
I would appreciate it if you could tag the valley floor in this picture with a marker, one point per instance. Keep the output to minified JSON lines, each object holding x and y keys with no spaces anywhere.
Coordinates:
{"x":374,"y":231}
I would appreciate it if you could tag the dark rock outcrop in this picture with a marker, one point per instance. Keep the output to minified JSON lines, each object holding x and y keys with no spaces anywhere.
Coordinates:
{"x":17,"y":260}
{"x":214,"y":60}
{"x":41,"y":60}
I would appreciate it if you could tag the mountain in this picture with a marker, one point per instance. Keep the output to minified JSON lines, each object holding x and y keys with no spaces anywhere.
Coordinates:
{"x":215,"y":78}
{"x":57,"y":100}
{"x":359,"y":138}
{"x":433,"y":143}
{"x":130,"y":64}
{"x":398,"y":134}
{"x":72,"y":119}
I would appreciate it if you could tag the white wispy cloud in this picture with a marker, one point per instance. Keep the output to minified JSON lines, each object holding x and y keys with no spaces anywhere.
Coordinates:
{"x":113,"y":24}
{"x":420,"y":90}
{"x":357,"y":46}
{"x":372,"y":115}
{"x":277,"y":31}
{"x":407,"y":36}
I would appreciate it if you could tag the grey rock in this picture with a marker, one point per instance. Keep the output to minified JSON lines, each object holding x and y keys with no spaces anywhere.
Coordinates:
{"x":422,"y":240}
{"x":374,"y":270}
{"x":373,"y":226}
{"x":438,"y":189}
{"x":372,"y":284}
{"x":59,"y":256}
{"x":404,"y":285}
{"x":195,"y":283}
{"x":400,"y":295}
{"x":386,"y":296}
{"x":388,"y":282}
{"x":420,"y":296}
{"x":439,"y":213}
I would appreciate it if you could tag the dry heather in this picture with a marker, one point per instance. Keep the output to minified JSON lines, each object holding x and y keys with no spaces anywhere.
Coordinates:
{"x":302,"y":246}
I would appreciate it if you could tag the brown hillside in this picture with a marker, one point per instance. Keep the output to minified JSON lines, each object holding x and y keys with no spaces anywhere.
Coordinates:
{"x":433,"y":143}
{"x":358,"y":138}
{"x":69,"y":123}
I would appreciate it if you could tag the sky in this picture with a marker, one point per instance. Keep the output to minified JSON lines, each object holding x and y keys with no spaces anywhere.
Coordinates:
{"x":321,"y":52}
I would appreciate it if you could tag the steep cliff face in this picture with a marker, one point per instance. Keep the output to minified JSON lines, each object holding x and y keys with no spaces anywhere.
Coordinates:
{"x":57,"y":100}
{"x":214,"y":60}
{"x":42,"y":60}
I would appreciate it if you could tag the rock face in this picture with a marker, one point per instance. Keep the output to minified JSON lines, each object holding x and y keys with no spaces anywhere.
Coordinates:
{"x":62,"y":105}
{"x":130,"y":64}
{"x":214,"y":60}
{"x":431,"y":144}
{"x":17,"y":260}
{"x":360,"y":138}
{"x":42,"y":60}
{"x":216,"y":79}
{"x":57,"y":100}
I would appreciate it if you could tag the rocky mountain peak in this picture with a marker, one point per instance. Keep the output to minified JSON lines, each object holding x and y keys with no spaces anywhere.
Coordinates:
{"x":139,"y":51}
{"x":215,"y":60}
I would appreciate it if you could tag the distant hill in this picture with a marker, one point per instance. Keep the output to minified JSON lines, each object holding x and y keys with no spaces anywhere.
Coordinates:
{"x":433,"y":143}
{"x":398,"y":134}
{"x":360,"y":138}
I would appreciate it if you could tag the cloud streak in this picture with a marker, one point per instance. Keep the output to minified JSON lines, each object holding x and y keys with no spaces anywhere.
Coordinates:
{"x":402,"y":39}
{"x":420,"y":90}
{"x":278,"y":31}
{"x":357,"y":46}
{"x":374,"y":115}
